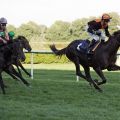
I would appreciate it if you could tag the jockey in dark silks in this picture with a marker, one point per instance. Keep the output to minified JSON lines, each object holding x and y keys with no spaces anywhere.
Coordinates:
{"x":95,"y":28}
{"x":5,"y":37}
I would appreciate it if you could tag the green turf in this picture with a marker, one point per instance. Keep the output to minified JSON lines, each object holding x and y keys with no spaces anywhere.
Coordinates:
{"x":55,"y":95}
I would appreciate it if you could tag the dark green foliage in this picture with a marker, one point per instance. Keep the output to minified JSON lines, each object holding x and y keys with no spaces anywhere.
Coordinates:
{"x":46,"y":58}
{"x":60,"y":30}
{"x":114,"y":22}
{"x":78,"y":29}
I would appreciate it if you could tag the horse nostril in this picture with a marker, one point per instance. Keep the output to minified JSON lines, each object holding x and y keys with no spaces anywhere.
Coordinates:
{"x":22,"y":58}
{"x":29,"y":49}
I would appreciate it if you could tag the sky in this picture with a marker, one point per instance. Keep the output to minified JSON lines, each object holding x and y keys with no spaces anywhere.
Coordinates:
{"x":46,"y":12}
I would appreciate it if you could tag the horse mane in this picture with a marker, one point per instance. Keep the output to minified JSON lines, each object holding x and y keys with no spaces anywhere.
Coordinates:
{"x":116,"y":33}
{"x":20,"y":36}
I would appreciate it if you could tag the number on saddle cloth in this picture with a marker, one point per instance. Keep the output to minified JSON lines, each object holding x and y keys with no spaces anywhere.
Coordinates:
{"x":83,"y":46}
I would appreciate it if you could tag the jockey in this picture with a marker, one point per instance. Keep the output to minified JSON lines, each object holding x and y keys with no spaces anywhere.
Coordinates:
{"x":95,"y":28}
{"x":5,"y":37}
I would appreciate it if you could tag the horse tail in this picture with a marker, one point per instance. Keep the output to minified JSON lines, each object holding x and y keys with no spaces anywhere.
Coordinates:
{"x":56,"y":51}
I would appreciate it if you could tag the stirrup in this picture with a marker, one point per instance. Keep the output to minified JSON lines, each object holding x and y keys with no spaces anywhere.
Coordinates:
{"x":90,"y":52}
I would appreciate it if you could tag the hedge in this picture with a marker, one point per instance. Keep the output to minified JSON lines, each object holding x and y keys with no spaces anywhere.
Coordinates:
{"x":46,"y":58}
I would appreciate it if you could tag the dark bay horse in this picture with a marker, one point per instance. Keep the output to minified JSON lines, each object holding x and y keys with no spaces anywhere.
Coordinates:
{"x":7,"y":53}
{"x":104,"y":58}
{"x":25,"y":44}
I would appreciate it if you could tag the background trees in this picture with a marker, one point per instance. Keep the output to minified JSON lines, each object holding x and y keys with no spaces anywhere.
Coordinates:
{"x":60,"y":30}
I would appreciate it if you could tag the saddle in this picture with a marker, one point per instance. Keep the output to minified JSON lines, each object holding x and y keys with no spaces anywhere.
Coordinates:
{"x":92,"y":47}
{"x":87,"y":48}
{"x":83,"y":46}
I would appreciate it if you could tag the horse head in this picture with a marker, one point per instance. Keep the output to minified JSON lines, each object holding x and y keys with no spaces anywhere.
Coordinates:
{"x":17,"y":51}
{"x":24,"y":42}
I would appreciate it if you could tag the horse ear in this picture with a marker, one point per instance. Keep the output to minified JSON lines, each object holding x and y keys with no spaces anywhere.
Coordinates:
{"x":18,"y":37}
{"x":21,"y":37}
{"x":116,"y":33}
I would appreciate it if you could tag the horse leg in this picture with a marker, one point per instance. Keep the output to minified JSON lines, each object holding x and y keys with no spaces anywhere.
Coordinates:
{"x":16,"y":64}
{"x":19,"y":64}
{"x":78,"y":72}
{"x":113,"y":67}
{"x":14,"y":72}
{"x":19,"y":70}
{"x":2,"y":84}
{"x":100,"y":73}
{"x":8,"y":72}
{"x":89,"y":79}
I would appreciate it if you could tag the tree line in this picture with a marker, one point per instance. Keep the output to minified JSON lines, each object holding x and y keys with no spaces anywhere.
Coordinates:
{"x":60,"y":30}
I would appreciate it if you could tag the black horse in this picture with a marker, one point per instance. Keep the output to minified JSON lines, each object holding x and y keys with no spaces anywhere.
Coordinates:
{"x":7,"y":54}
{"x":25,"y":44}
{"x":104,"y":57}
{"x":10,"y":69}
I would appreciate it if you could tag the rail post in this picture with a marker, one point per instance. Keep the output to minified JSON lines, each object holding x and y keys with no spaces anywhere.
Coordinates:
{"x":31,"y":65}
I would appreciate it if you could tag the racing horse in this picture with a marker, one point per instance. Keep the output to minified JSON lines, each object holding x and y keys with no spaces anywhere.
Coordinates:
{"x":25,"y":44}
{"x":7,"y":55}
{"x":10,"y":69}
{"x":104,"y":57}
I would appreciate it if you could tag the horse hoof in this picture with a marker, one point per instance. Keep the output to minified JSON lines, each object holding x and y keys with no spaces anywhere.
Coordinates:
{"x":28,"y":84}
{"x":99,"y":83}
{"x":100,"y":90}
{"x":30,"y":75}
{"x":96,"y":81}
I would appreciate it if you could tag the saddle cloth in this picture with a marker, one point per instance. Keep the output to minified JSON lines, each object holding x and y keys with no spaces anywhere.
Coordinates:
{"x":83,"y":46}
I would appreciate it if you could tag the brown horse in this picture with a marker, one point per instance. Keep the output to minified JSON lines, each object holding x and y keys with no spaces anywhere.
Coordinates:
{"x":25,"y":44}
{"x":104,"y":58}
{"x":6,"y":56}
{"x":10,"y":69}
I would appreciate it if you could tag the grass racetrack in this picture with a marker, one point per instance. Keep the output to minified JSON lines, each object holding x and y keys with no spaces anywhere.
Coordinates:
{"x":55,"y":95}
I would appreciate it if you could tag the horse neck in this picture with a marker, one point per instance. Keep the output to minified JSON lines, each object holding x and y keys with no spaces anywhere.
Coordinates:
{"x":7,"y":48}
{"x":112,"y":46}
{"x":7,"y":51}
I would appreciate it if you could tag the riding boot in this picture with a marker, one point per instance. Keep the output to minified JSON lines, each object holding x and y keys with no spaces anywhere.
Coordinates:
{"x":102,"y":41}
{"x":90,"y":52}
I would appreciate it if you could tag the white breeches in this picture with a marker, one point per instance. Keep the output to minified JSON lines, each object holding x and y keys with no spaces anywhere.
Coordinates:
{"x":96,"y":37}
